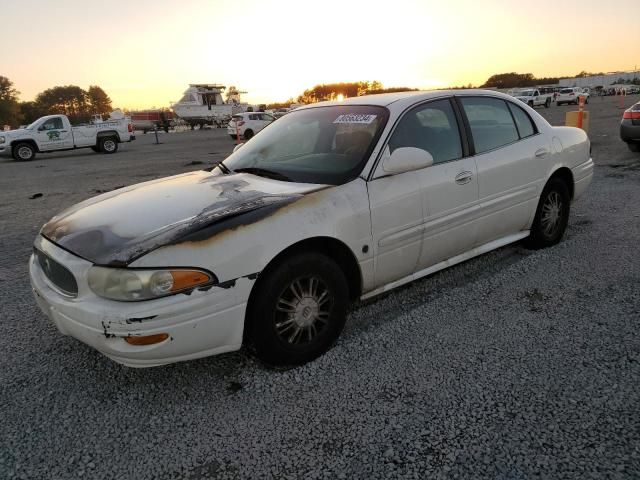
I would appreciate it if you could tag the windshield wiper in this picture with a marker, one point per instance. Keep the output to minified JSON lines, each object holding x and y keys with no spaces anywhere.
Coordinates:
{"x":224,"y":168}
{"x":263,"y":172}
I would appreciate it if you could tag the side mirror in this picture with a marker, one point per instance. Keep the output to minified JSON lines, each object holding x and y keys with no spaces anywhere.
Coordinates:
{"x":238,"y":146}
{"x":406,"y":159}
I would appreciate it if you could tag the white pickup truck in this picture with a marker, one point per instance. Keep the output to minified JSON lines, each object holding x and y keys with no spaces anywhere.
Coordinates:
{"x":534,"y":98}
{"x":55,"y":132}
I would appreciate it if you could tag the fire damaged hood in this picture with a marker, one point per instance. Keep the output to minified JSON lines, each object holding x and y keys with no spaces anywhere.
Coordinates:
{"x":118,"y":227}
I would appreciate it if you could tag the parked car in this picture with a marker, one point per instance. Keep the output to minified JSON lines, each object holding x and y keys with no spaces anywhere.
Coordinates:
{"x":571,"y":95}
{"x":281,"y":112}
{"x":630,"y":127}
{"x":534,"y":98}
{"x":247,"y":124}
{"x":334,"y":202}
{"x":55,"y":132}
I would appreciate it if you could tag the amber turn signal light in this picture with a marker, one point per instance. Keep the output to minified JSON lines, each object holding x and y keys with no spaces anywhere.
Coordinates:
{"x":147,"y":339}
{"x":187,"y":279}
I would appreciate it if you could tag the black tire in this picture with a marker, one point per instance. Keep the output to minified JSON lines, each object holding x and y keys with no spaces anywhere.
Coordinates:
{"x":248,"y":134}
{"x":95,"y":149}
{"x":530,"y":103}
{"x":108,"y":144}
{"x":558,"y":104}
{"x":293,"y":319}
{"x":634,"y":147}
{"x":547,"y":103}
{"x":555,"y":201}
{"x":586,"y":100}
{"x":23,"y":152}
{"x":233,"y":137}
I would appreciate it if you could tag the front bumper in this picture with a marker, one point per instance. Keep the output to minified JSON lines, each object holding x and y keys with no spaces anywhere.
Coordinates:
{"x":5,"y":149}
{"x":200,"y":324}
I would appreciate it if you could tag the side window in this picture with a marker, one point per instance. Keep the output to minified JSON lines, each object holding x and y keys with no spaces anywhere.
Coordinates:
{"x":253,"y":117}
{"x":268,"y":118}
{"x":52,"y":124}
{"x":523,"y":121}
{"x":490,"y":121}
{"x":431,"y":127}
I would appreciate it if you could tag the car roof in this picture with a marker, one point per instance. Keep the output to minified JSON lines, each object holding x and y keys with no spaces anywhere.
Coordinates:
{"x":403,"y":99}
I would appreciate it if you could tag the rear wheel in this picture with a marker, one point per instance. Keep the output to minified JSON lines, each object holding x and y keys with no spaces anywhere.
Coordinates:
{"x":108,"y":144}
{"x":298,"y":310}
{"x":248,"y":134}
{"x":552,"y":215}
{"x":547,"y":103}
{"x":634,"y":147}
{"x":24,"y":152}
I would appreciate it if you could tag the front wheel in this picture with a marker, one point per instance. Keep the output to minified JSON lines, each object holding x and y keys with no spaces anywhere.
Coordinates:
{"x":298,"y":310}
{"x":552,"y":215}
{"x":248,"y":134}
{"x":108,"y":145}
{"x":24,"y":152}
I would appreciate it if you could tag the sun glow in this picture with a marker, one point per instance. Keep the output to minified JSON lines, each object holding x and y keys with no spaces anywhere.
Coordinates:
{"x":276,"y":50}
{"x":340,"y":97}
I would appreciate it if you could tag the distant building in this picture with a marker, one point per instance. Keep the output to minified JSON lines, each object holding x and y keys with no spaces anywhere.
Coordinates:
{"x":599,"y":80}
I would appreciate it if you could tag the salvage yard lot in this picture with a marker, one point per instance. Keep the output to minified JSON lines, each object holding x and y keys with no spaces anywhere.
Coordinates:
{"x":513,"y":365}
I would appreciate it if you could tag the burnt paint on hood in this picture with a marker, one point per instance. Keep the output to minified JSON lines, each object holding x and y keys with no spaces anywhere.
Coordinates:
{"x":119,"y":227}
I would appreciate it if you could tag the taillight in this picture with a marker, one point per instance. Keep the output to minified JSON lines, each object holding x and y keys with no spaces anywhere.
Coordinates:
{"x":130,"y":128}
{"x":631,"y":115}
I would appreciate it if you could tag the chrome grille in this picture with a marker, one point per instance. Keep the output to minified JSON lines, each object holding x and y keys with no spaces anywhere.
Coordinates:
{"x":59,"y":275}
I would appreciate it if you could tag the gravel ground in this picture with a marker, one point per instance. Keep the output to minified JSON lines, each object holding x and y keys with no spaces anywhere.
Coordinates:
{"x":514,"y":365}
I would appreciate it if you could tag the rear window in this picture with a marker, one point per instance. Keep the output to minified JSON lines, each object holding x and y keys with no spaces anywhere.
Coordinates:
{"x":566,"y":90}
{"x":525,"y":126}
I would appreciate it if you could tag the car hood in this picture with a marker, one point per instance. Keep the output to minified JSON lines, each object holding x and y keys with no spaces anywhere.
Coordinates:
{"x":14,"y":133}
{"x":116,"y":228}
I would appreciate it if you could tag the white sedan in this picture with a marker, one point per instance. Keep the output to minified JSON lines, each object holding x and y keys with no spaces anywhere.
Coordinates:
{"x":334,"y":202}
{"x":247,"y":124}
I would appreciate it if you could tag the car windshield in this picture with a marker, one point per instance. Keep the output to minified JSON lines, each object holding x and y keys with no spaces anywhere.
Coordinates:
{"x":327,"y":145}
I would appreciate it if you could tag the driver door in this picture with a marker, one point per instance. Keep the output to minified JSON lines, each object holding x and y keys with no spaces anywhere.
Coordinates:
{"x":424,"y":217}
{"x":52,"y":135}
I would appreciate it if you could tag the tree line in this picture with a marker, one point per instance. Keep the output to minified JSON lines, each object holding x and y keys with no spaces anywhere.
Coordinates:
{"x":78,"y":104}
{"x":332,"y":91}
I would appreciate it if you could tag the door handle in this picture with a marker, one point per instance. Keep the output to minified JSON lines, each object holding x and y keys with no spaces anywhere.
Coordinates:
{"x":464,"y":177}
{"x":542,"y":152}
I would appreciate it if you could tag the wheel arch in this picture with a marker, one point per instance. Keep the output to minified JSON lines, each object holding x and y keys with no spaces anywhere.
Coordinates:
{"x":564,"y":174}
{"x":107,"y":133}
{"x":329,"y":246}
{"x":30,"y":141}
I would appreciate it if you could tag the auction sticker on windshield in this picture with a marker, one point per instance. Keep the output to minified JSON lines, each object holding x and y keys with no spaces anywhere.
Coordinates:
{"x":355,"y":118}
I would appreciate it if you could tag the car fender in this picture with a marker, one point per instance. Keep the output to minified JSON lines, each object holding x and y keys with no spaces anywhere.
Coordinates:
{"x":244,"y":245}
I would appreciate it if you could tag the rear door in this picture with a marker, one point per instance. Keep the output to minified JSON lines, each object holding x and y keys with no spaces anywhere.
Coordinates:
{"x":510,"y":155}
{"x":54,"y":135}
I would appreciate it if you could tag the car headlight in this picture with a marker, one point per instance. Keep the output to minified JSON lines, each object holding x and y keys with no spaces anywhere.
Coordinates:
{"x":130,"y":285}
{"x":2,"y":139}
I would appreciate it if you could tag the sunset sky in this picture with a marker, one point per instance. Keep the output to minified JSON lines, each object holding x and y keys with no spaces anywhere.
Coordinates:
{"x":145,"y":52}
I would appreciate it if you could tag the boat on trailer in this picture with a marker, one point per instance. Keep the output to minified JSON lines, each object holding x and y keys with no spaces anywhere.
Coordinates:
{"x":203,"y":104}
